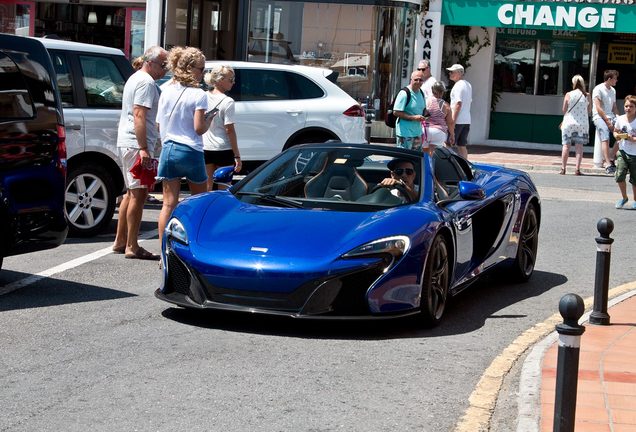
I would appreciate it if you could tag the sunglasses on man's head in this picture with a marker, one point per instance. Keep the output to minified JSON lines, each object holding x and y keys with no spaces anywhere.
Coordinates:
{"x":400,"y":171}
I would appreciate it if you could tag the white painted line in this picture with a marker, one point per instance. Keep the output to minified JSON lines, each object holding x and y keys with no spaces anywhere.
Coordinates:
{"x":29,"y":280}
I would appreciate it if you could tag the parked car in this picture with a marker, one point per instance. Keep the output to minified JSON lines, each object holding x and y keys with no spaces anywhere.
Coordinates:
{"x":314,"y":233}
{"x":32,"y":150}
{"x":281,"y":105}
{"x":91,"y":81}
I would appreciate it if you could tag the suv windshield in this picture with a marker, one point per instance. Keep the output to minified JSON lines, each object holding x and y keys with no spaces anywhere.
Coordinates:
{"x":334,"y":178}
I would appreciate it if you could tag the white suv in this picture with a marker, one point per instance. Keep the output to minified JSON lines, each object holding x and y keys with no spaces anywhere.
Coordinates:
{"x":91,"y":80}
{"x":279,"y":106}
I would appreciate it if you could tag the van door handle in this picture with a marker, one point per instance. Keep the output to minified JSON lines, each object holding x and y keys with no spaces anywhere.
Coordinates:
{"x":73,"y":126}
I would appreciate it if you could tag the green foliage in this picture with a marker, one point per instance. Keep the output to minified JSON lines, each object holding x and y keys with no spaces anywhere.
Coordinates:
{"x":463,"y":47}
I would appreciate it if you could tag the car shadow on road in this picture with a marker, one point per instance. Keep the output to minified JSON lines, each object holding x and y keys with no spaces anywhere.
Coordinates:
{"x":49,"y":292}
{"x":467,"y":312}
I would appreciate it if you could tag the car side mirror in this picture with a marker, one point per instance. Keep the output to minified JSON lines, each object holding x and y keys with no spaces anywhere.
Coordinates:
{"x":471,"y":191}
{"x":223,"y":175}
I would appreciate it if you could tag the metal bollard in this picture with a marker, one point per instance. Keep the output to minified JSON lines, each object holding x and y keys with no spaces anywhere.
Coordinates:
{"x":599,"y":313}
{"x":571,"y":307}
{"x":369,"y":116}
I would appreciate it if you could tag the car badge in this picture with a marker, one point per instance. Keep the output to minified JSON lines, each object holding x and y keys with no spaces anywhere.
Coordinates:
{"x":259,"y":249}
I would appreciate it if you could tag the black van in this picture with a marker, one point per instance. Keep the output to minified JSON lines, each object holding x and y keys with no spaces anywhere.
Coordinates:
{"x":32,"y":149}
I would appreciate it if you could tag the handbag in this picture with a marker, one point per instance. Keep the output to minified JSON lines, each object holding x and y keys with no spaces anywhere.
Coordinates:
{"x":577,"y":101}
{"x":145,"y":173}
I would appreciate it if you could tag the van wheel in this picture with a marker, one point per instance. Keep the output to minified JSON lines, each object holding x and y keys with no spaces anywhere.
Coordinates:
{"x":89,"y":200}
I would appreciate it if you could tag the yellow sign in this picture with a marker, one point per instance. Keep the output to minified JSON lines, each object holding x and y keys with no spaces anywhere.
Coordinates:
{"x":621,"y":54}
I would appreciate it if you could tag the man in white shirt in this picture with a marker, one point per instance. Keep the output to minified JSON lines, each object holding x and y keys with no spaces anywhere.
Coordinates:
{"x":461,"y":99}
{"x":136,"y":138}
{"x":424,"y":66}
{"x":604,"y":112}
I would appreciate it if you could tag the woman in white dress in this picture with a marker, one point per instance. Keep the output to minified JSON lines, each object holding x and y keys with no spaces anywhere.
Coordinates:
{"x":575,"y":128}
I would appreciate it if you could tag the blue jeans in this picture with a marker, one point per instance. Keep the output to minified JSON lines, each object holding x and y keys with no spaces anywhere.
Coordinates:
{"x":181,"y":161}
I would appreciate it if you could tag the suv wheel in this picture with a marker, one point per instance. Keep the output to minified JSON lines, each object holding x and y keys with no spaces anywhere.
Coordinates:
{"x":90,"y":200}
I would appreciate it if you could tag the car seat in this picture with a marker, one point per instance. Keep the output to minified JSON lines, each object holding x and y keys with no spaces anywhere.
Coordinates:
{"x":337,"y":180}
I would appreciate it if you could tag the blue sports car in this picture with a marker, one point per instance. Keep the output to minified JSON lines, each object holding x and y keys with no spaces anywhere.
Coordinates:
{"x":339,"y":230}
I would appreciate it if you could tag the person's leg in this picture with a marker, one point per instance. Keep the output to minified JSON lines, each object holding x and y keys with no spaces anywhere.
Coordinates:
{"x":197,"y":188}
{"x":578,"y":148}
{"x":171,"y":190}
{"x":136,"y":201}
{"x":121,"y":239}
{"x":620,"y":176}
{"x":565,"y":153}
{"x":209,"y":170}
{"x":461,"y":139}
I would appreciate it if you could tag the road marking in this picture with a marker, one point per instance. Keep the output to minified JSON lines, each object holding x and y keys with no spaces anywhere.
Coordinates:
{"x":484,"y":398}
{"x":29,"y":280}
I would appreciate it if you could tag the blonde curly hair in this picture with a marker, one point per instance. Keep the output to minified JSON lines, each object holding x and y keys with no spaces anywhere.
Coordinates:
{"x":181,"y":61}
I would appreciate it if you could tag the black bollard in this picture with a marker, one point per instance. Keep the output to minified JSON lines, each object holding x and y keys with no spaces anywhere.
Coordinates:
{"x":599,"y":313}
{"x":369,"y":116}
{"x":571,"y":308}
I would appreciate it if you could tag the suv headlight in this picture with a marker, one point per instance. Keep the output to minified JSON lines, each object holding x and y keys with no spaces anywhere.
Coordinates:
{"x":390,"y":249}
{"x":175,"y":230}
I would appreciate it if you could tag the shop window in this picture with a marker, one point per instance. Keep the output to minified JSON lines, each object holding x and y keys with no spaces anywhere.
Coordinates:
{"x":313,"y":34}
{"x":514,"y":65}
{"x":103,"y":83}
{"x":561,"y":59}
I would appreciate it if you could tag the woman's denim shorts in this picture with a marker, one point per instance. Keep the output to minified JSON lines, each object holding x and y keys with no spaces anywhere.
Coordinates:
{"x":181,"y":161}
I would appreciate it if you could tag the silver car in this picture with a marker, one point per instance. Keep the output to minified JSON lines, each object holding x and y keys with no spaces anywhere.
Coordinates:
{"x":91,"y":81}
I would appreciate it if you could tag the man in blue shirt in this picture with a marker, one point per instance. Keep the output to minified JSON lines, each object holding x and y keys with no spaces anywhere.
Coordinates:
{"x":408,"y":128}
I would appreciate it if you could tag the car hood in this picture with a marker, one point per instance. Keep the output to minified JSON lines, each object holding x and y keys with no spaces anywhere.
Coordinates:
{"x":236,"y":229}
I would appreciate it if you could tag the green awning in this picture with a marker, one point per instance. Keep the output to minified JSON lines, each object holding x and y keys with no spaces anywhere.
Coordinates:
{"x":591,"y":17}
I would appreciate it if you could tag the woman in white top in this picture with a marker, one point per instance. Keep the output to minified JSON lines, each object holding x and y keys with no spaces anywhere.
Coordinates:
{"x":182,"y":121}
{"x":220,"y":145}
{"x":575,"y":128}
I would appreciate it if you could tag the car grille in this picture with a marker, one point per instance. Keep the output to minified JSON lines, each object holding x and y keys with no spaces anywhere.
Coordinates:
{"x":178,"y":276}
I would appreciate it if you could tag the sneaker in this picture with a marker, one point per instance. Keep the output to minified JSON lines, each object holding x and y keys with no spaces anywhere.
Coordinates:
{"x":610,"y":169}
{"x":634,"y":205}
{"x":621,"y":202}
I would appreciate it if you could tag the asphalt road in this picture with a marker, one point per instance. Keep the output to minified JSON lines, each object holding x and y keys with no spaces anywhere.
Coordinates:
{"x":90,"y":348}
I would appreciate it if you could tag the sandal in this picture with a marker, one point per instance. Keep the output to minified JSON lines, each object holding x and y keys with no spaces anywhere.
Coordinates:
{"x":578,"y":172}
{"x":562,"y":172}
{"x":119,"y":250}
{"x":142,"y":254}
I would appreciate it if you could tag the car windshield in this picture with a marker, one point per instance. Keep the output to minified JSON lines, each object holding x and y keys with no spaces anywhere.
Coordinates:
{"x":333,"y":178}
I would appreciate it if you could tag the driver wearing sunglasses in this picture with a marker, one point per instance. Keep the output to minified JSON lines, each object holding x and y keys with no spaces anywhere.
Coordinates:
{"x":402,"y":175}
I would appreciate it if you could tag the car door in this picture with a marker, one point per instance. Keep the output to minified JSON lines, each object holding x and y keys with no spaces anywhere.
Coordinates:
{"x":73,"y":113}
{"x":268,"y":110}
{"x":103,"y":86}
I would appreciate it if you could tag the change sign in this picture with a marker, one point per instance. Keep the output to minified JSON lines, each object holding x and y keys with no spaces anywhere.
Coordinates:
{"x":540,"y":15}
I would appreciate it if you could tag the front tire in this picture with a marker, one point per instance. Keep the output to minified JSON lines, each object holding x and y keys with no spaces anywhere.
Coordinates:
{"x":524,"y":263}
{"x":89,"y":200}
{"x":435,"y":283}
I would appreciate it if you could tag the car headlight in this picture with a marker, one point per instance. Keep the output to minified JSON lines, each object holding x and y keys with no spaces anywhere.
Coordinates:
{"x":175,"y":230}
{"x":390,"y":249}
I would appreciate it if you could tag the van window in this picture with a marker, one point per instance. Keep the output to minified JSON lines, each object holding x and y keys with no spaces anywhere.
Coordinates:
{"x":15,"y":99}
{"x":103,"y":82}
{"x":64,"y":78}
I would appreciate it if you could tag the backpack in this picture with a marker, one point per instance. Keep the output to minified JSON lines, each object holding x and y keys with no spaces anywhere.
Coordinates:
{"x":390,"y":120}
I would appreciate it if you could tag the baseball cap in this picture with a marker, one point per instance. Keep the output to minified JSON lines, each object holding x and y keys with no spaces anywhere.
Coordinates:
{"x":456,"y":67}
{"x":394,"y":162}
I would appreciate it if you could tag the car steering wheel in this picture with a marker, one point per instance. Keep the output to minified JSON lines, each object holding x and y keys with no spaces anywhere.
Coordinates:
{"x":399,"y":186}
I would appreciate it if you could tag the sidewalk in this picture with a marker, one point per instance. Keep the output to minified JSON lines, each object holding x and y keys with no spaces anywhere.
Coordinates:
{"x":531,"y":160}
{"x":606,"y":396}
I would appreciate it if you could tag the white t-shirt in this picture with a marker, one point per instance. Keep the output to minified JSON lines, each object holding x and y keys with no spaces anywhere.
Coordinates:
{"x":427,"y":87}
{"x":216,"y":139}
{"x":623,"y":125}
{"x":607,"y":97}
{"x":462,"y":92}
{"x":177,"y":105}
{"x":140,"y":89}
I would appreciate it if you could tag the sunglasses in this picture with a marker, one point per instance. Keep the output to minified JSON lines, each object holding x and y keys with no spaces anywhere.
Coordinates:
{"x":417,"y":80}
{"x":163,"y":65}
{"x":400,"y":171}
{"x":422,"y":69}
